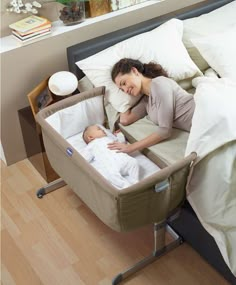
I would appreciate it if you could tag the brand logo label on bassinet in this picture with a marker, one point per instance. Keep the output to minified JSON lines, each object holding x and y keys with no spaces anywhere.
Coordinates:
{"x":69,"y":151}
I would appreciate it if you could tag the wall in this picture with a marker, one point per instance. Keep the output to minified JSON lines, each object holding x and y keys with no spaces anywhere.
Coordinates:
{"x":25,"y":67}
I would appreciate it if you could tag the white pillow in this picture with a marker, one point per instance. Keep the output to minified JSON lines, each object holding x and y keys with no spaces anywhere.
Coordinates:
{"x":162,"y":45}
{"x":216,"y":21}
{"x":219,"y":51}
{"x":73,"y":120}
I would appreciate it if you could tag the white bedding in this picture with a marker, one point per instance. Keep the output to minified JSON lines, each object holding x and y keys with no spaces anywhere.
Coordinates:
{"x":212,"y":187}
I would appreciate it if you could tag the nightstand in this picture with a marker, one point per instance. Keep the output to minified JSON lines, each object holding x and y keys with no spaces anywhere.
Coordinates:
{"x":39,"y":98}
{"x":34,"y":146}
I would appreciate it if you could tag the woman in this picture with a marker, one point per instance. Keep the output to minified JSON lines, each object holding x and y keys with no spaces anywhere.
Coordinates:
{"x":164,"y":101}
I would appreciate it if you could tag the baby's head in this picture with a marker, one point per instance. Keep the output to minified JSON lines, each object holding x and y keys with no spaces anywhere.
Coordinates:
{"x":92,"y":132}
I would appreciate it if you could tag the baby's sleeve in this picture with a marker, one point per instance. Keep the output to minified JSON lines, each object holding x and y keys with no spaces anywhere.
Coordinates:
{"x":120,"y":137}
{"x":87,"y":154}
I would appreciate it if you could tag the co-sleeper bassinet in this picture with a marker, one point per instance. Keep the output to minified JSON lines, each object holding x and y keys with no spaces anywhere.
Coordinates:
{"x":152,"y":200}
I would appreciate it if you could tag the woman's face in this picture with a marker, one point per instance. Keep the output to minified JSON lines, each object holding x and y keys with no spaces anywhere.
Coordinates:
{"x":130,"y":83}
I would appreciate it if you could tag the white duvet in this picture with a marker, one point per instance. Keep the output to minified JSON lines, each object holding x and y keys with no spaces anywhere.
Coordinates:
{"x":212,"y":187}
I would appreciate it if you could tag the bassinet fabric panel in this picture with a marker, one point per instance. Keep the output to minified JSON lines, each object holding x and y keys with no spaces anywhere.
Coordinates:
{"x":73,"y":120}
{"x":178,"y":182}
{"x":139,"y":208}
{"x":141,"y":204}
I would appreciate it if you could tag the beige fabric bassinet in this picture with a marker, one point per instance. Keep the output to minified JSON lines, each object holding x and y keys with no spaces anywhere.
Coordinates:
{"x":122,"y":210}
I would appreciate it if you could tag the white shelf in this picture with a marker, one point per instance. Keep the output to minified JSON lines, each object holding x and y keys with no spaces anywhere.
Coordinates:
{"x":10,"y":43}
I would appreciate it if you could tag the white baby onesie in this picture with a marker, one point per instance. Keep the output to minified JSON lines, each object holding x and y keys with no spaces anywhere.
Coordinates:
{"x":111,"y":164}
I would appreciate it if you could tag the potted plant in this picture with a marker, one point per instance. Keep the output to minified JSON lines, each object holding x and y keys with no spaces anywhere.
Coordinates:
{"x":71,"y":11}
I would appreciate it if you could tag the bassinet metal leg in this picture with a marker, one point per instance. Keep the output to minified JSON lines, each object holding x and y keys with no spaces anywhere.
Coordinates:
{"x":159,"y":249}
{"x":52,"y":186}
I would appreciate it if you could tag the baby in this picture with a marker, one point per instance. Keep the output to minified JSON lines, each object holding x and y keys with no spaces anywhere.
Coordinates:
{"x":121,"y":169}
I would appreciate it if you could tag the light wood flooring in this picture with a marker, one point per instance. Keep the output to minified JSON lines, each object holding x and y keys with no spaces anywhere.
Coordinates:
{"x":57,"y":240}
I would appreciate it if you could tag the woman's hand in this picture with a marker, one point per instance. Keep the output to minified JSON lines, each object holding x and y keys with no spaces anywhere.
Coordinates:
{"x":139,"y":145}
{"x":120,"y":147}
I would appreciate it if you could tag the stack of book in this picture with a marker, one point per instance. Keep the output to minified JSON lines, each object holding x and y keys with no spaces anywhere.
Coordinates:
{"x":31,"y":28}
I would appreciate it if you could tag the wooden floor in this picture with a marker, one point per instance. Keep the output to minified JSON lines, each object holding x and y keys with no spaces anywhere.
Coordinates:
{"x":57,"y":240}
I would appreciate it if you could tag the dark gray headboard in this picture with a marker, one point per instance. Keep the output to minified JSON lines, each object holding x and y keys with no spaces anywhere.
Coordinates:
{"x":85,"y":49}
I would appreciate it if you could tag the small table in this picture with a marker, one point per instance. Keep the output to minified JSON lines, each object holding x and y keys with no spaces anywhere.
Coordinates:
{"x":34,"y":146}
{"x":39,"y":98}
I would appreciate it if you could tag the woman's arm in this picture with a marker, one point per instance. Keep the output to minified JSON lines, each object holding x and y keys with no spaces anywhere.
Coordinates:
{"x":134,"y":114}
{"x":139,"y":145}
{"x":128,"y":118}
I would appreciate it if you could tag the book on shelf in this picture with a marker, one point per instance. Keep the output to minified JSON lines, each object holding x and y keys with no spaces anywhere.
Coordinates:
{"x":32,"y":38}
{"x":31,"y":35}
{"x":29,"y":23}
{"x":47,"y":25}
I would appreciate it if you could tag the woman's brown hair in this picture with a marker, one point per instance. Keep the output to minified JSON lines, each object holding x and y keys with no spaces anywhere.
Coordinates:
{"x":125,"y":65}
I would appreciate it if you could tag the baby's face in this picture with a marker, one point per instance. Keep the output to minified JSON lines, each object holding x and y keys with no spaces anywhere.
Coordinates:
{"x":96,"y":132}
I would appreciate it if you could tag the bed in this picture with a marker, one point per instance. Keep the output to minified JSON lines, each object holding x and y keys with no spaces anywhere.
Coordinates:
{"x":165,"y":190}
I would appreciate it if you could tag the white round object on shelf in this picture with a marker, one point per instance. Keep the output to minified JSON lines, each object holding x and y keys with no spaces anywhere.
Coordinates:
{"x":63,"y":83}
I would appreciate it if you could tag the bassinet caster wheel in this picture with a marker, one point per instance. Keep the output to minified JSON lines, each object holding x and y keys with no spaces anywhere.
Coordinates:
{"x":52,"y":186}
{"x":40,"y":193}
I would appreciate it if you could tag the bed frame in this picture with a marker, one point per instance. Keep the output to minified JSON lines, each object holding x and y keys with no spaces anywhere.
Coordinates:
{"x":187,"y":225}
